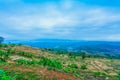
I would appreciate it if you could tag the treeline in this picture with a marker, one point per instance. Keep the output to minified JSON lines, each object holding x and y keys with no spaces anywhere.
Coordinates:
{"x":83,"y":54}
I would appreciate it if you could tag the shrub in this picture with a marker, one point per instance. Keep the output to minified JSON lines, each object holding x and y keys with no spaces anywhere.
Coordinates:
{"x":26,"y":75}
{"x":21,"y":61}
{"x":12,"y":45}
{"x":83,"y":55}
{"x":8,"y":50}
{"x":118,"y":75}
{"x":4,"y":76}
{"x":3,"y":55}
{"x":49,"y":62}
{"x":99,"y":73}
{"x":19,"y":44}
{"x":26,"y":54}
{"x":70,"y":70}
{"x":26,"y":62}
{"x":83,"y":66}
{"x":73,"y":65}
{"x":11,"y":51}
{"x":3,"y":45}
{"x":43,"y":61}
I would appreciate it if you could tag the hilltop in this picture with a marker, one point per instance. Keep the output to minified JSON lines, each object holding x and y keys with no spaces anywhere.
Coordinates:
{"x":19,"y":62}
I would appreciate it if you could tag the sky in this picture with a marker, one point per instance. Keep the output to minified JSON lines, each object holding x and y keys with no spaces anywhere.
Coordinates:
{"x":60,"y":19}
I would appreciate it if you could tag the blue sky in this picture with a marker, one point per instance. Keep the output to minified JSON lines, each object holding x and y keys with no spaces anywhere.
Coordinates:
{"x":60,"y":19}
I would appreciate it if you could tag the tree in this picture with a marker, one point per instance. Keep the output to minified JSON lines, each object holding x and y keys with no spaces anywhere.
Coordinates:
{"x":83,"y":55}
{"x":1,"y":39}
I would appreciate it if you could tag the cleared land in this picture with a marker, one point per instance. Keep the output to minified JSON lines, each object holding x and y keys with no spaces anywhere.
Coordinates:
{"x":27,"y":63}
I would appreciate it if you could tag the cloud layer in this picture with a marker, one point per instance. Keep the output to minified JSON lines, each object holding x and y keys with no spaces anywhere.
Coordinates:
{"x":65,"y":19}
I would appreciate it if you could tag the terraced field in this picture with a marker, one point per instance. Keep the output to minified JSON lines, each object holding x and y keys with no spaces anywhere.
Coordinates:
{"x":27,"y":63}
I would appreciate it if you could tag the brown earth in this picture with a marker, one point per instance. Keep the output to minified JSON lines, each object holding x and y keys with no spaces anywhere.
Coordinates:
{"x":47,"y":73}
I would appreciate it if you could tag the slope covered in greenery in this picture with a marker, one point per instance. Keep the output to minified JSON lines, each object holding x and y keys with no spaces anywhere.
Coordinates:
{"x":19,"y":62}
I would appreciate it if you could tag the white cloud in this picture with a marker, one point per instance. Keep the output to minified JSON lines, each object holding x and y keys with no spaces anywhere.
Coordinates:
{"x":114,"y":37}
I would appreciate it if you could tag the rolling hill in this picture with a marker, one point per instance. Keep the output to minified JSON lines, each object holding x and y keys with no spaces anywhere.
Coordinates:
{"x":19,"y":62}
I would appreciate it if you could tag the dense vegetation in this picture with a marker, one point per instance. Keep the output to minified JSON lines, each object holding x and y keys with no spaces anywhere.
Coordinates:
{"x":19,"y":62}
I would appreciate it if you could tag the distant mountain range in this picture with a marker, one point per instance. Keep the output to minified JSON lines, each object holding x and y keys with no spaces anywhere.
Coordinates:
{"x":107,"y":48}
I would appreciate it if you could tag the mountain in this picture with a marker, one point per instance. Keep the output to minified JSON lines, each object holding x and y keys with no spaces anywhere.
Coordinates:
{"x":107,"y":48}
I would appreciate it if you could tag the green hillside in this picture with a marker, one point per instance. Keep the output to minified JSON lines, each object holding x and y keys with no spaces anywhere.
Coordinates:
{"x":19,"y":62}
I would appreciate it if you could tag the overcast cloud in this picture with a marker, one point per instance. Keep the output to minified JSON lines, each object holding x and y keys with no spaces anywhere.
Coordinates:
{"x":62,"y":19}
